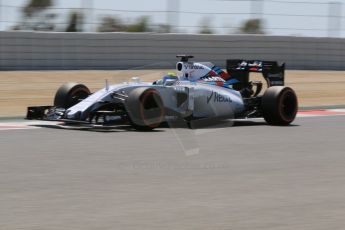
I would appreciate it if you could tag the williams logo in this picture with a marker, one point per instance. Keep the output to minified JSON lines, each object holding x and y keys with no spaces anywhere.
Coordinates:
{"x":218,"y":98}
{"x":193,"y":66}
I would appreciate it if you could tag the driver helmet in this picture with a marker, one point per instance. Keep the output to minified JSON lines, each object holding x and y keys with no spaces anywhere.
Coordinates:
{"x":170,"y":76}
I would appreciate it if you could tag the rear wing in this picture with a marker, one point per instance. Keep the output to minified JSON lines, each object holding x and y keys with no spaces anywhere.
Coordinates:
{"x":273,"y":73}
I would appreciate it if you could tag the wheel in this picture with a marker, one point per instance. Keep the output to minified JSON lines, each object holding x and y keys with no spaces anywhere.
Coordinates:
{"x":145,"y":108}
{"x":70,"y":94}
{"x":279,"y":105}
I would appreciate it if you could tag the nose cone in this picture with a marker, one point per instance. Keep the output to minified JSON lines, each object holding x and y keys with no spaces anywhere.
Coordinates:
{"x":73,"y":115}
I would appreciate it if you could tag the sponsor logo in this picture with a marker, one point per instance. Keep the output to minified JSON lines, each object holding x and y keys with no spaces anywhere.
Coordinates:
{"x":276,"y":82}
{"x":212,"y":79}
{"x":192,"y":66}
{"x":218,"y":98}
{"x":276,"y":75}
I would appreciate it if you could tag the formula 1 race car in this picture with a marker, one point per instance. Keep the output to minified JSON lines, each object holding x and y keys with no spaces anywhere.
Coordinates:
{"x":200,"y":91}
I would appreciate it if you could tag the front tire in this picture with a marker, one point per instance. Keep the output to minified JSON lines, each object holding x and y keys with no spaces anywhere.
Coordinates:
{"x":279,"y":105}
{"x":70,"y":94}
{"x":145,"y":108}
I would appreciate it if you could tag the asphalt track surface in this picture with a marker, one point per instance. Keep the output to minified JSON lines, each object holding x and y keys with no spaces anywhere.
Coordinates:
{"x":249,"y":176}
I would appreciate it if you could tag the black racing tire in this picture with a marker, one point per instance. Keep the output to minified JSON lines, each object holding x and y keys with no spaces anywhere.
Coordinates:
{"x":145,"y":108}
{"x":279,"y":105}
{"x":70,"y":94}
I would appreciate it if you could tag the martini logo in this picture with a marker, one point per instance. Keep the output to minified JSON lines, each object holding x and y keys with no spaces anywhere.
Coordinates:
{"x":218,"y":98}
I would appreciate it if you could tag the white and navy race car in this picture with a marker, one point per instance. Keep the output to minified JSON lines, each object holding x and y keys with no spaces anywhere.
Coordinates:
{"x":200,"y":90}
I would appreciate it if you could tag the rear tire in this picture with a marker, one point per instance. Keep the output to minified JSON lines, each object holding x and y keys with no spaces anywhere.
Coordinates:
{"x":279,"y":105}
{"x":145,"y":108}
{"x":70,"y":94}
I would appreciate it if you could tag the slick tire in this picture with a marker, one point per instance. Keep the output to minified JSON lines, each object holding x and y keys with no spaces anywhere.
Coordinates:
{"x":145,"y":108}
{"x":70,"y":94}
{"x":279,"y":105}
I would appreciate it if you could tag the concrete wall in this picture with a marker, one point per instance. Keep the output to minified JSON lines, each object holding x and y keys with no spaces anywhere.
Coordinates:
{"x":40,"y":51}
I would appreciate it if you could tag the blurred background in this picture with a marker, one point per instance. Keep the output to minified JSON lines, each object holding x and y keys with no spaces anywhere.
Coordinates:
{"x":321,"y":18}
{"x":35,"y":34}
